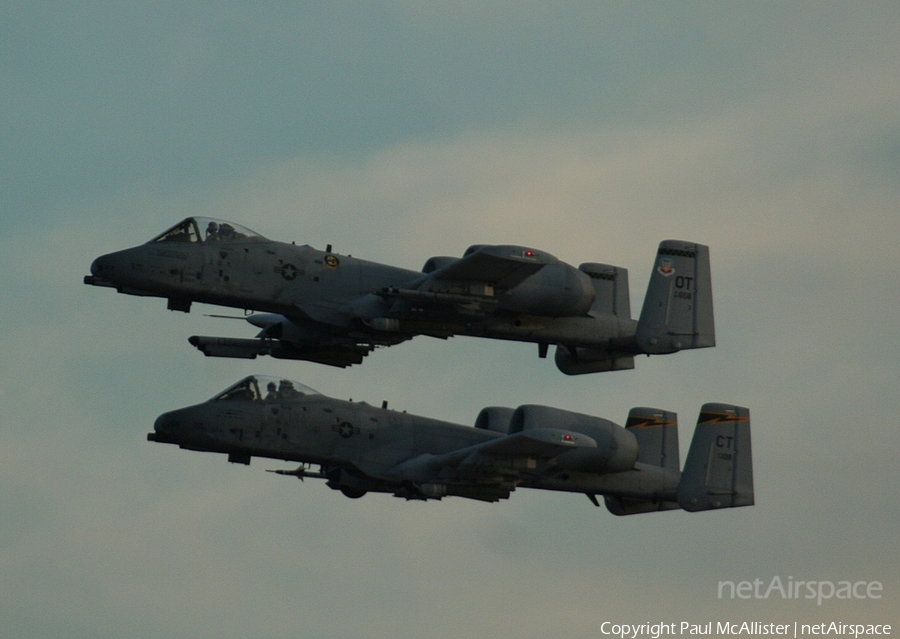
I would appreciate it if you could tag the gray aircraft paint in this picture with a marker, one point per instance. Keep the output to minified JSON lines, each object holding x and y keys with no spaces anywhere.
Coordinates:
{"x":334,"y":309}
{"x":361,"y":448}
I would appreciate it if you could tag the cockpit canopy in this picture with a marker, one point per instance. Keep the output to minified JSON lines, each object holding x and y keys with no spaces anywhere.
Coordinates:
{"x":264,"y":388}
{"x":195,"y":230}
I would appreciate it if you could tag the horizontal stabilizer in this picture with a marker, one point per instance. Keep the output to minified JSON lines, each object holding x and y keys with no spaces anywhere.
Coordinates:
{"x":718,"y":472}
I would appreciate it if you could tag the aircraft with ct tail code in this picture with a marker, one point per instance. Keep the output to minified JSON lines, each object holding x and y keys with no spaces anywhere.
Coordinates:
{"x":360,"y":448}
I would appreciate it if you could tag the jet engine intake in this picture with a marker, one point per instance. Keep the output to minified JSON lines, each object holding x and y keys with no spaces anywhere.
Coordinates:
{"x":495,"y":418}
{"x":439,"y":261}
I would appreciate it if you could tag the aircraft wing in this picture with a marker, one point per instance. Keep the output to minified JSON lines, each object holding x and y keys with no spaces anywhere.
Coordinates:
{"x":325,"y":312}
{"x":534,"y":442}
{"x":471,"y":282}
{"x":501,"y":266}
{"x":496,"y":458}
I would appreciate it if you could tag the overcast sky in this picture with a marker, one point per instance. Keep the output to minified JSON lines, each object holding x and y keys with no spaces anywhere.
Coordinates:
{"x":400,"y":130}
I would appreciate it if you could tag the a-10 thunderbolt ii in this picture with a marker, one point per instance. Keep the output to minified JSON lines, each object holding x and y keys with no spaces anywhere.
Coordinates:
{"x":360,"y":448}
{"x":334,"y":309}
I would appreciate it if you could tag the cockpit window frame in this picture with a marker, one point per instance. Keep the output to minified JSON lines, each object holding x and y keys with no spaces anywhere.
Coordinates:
{"x":206,"y":230}
{"x":258,"y":389}
{"x":185,"y":232}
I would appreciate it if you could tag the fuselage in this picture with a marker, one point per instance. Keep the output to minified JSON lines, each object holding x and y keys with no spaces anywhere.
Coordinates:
{"x":321,"y":288}
{"x":248,"y":272}
{"x":369,"y":445}
{"x":310,"y":428}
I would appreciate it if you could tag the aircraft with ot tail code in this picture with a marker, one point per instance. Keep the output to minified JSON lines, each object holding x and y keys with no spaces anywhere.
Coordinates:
{"x":334,"y":309}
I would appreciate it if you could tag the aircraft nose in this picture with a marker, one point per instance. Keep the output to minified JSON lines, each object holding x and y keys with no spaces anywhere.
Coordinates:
{"x":104,"y":265}
{"x":117,"y":269}
{"x":102,"y":271}
{"x":97,"y":267}
{"x":165,"y":428}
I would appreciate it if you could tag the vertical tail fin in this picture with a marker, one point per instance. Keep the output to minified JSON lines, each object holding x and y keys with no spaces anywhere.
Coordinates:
{"x":611,"y":298}
{"x":611,"y":288}
{"x":656,"y":432}
{"x":678,"y":308}
{"x":718,"y":472}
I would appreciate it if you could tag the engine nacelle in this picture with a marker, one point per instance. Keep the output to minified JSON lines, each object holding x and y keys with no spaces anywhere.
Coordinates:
{"x":495,"y":418}
{"x":437,"y":262}
{"x":475,"y":247}
{"x":616,"y":451}
{"x":557,"y":290}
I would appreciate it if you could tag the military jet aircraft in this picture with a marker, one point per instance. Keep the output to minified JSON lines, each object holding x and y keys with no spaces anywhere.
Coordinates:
{"x":335,"y":309}
{"x":360,"y":448}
